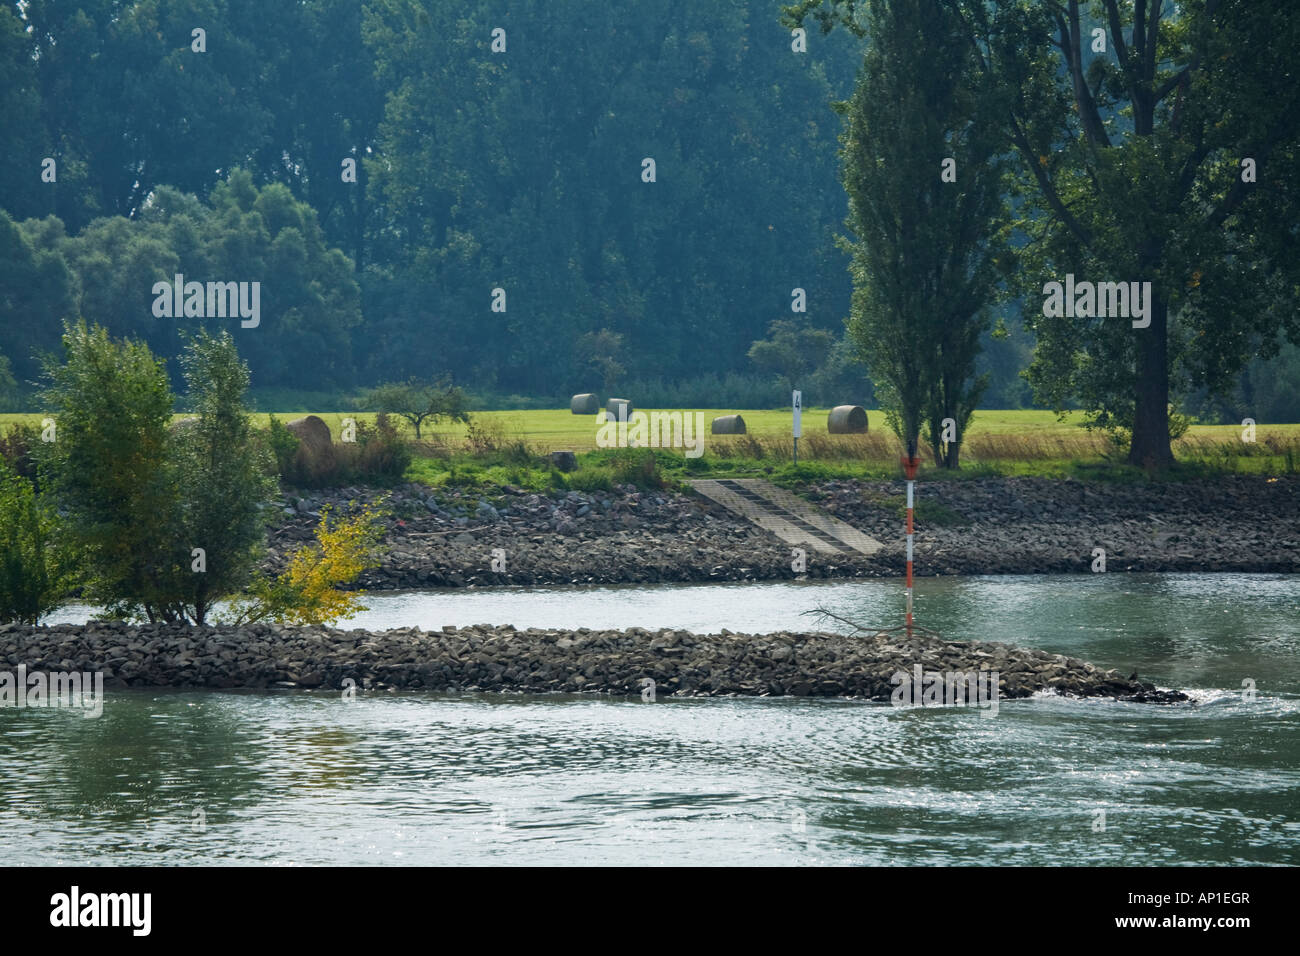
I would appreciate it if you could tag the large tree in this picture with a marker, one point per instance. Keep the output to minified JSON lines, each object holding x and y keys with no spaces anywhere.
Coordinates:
{"x":1158,"y":142}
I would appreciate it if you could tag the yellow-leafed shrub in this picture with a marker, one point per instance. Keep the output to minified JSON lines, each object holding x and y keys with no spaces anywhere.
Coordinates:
{"x":307,"y":591}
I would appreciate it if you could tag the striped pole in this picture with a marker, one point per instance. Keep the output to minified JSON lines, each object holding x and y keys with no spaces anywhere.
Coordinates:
{"x":910,"y":464}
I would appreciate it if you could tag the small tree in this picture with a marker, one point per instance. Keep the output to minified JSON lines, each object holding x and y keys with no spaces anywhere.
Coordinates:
{"x":418,"y":402}
{"x":108,"y":469}
{"x":225,"y":479}
{"x":140,"y":496}
{"x":8,"y":384}
{"x":790,"y":351}
{"x":33,"y":569}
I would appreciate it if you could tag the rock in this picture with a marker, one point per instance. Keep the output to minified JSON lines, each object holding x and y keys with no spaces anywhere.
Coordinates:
{"x":564,"y":460}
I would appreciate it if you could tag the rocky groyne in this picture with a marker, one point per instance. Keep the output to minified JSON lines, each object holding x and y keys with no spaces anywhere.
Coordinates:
{"x":488,"y":658}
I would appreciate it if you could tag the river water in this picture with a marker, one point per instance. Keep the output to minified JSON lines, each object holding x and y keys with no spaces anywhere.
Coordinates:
{"x":307,"y":778}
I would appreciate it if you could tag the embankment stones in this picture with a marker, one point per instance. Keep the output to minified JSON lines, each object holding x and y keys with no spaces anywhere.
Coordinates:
{"x":487,"y":658}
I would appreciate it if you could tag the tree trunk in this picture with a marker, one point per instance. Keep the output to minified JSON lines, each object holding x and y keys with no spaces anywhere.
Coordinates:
{"x":1149,"y":448}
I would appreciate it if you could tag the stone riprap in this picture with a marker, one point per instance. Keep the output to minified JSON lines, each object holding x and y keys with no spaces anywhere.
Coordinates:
{"x":444,"y":537}
{"x":485,"y":658}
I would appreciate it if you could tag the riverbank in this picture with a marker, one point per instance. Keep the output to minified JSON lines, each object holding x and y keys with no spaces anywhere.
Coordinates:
{"x":485,"y":658}
{"x":441,"y":537}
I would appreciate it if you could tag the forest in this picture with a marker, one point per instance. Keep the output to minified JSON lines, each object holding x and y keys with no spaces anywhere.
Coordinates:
{"x":535,"y":199}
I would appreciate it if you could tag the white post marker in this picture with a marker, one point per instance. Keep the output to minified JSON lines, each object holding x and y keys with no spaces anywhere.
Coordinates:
{"x":796,"y":399}
{"x":910,"y":464}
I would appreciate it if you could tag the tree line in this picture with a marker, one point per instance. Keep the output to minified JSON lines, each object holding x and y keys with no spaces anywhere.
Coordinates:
{"x":412,"y":171}
{"x":540,"y":200}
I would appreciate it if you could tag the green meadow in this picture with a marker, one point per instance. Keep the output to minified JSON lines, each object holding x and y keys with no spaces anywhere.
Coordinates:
{"x":509,"y":447}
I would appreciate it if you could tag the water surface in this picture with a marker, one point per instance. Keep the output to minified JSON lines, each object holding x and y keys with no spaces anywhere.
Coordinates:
{"x":307,"y":778}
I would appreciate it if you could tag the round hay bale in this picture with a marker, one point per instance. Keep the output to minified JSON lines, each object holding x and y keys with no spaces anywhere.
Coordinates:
{"x":728,"y":425}
{"x":585,"y":404}
{"x":564,"y":460}
{"x":614,"y":404}
{"x":846,"y":420}
{"x":311,"y":431}
{"x":314,"y":460}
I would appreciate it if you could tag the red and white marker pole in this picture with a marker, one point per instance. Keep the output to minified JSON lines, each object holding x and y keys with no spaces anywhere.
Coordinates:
{"x":910,"y":464}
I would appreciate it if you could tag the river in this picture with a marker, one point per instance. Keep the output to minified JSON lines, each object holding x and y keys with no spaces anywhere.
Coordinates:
{"x":307,"y":778}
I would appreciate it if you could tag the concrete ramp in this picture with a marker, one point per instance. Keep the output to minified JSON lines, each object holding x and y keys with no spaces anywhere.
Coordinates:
{"x":785,"y":515}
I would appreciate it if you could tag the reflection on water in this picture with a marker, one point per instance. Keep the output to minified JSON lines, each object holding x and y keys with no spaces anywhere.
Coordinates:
{"x":296,"y":777}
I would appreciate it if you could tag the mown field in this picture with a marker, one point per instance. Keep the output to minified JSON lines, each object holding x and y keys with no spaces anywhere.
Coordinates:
{"x":509,"y":447}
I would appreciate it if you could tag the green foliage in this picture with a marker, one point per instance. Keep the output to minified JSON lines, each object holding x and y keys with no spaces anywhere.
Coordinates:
{"x":140,"y":496}
{"x":284,"y":446}
{"x":792,"y":352}
{"x":17,"y":443}
{"x":34,"y":571}
{"x":8,"y":384}
{"x":1136,"y":175}
{"x":924,"y":249}
{"x":108,"y":469}
{"x":420,"y":401}
{"x":378,"y":456}
{"x":225,"y":480}
{"x":599,"y":352}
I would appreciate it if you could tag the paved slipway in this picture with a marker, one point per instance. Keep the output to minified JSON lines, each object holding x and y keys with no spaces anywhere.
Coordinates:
{"x":444,"y":538}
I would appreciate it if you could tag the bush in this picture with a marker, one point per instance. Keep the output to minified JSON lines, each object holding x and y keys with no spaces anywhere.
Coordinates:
{"x":307,"y":592}
{"x":636,"y":466}
{"x":32,"y":573}
{"x":284,"y":445}
{"x":379,"y":455}
{"x":16,"y":445}
{"x":586,"y":479}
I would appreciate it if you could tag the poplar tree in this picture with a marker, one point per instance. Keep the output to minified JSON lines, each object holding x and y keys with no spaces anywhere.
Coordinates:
{"x":923,"y":174}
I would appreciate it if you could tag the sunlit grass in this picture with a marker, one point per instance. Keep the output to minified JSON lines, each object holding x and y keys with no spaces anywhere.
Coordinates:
{"x":513,"y":445}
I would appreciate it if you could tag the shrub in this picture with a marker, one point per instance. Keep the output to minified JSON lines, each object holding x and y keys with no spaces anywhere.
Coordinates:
{"x":307,"y":592}
{"x":585,"y":479}
{"x":485,"y":435}
{"x":16,"y":445}
{"x":379,"y":455}
{"x":284,"y":445}
{"x":636,"y":466}
{"x":32,"y":571}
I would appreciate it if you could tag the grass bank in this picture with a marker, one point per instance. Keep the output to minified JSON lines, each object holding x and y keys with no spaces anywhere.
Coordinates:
{"x":510,"y":447}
